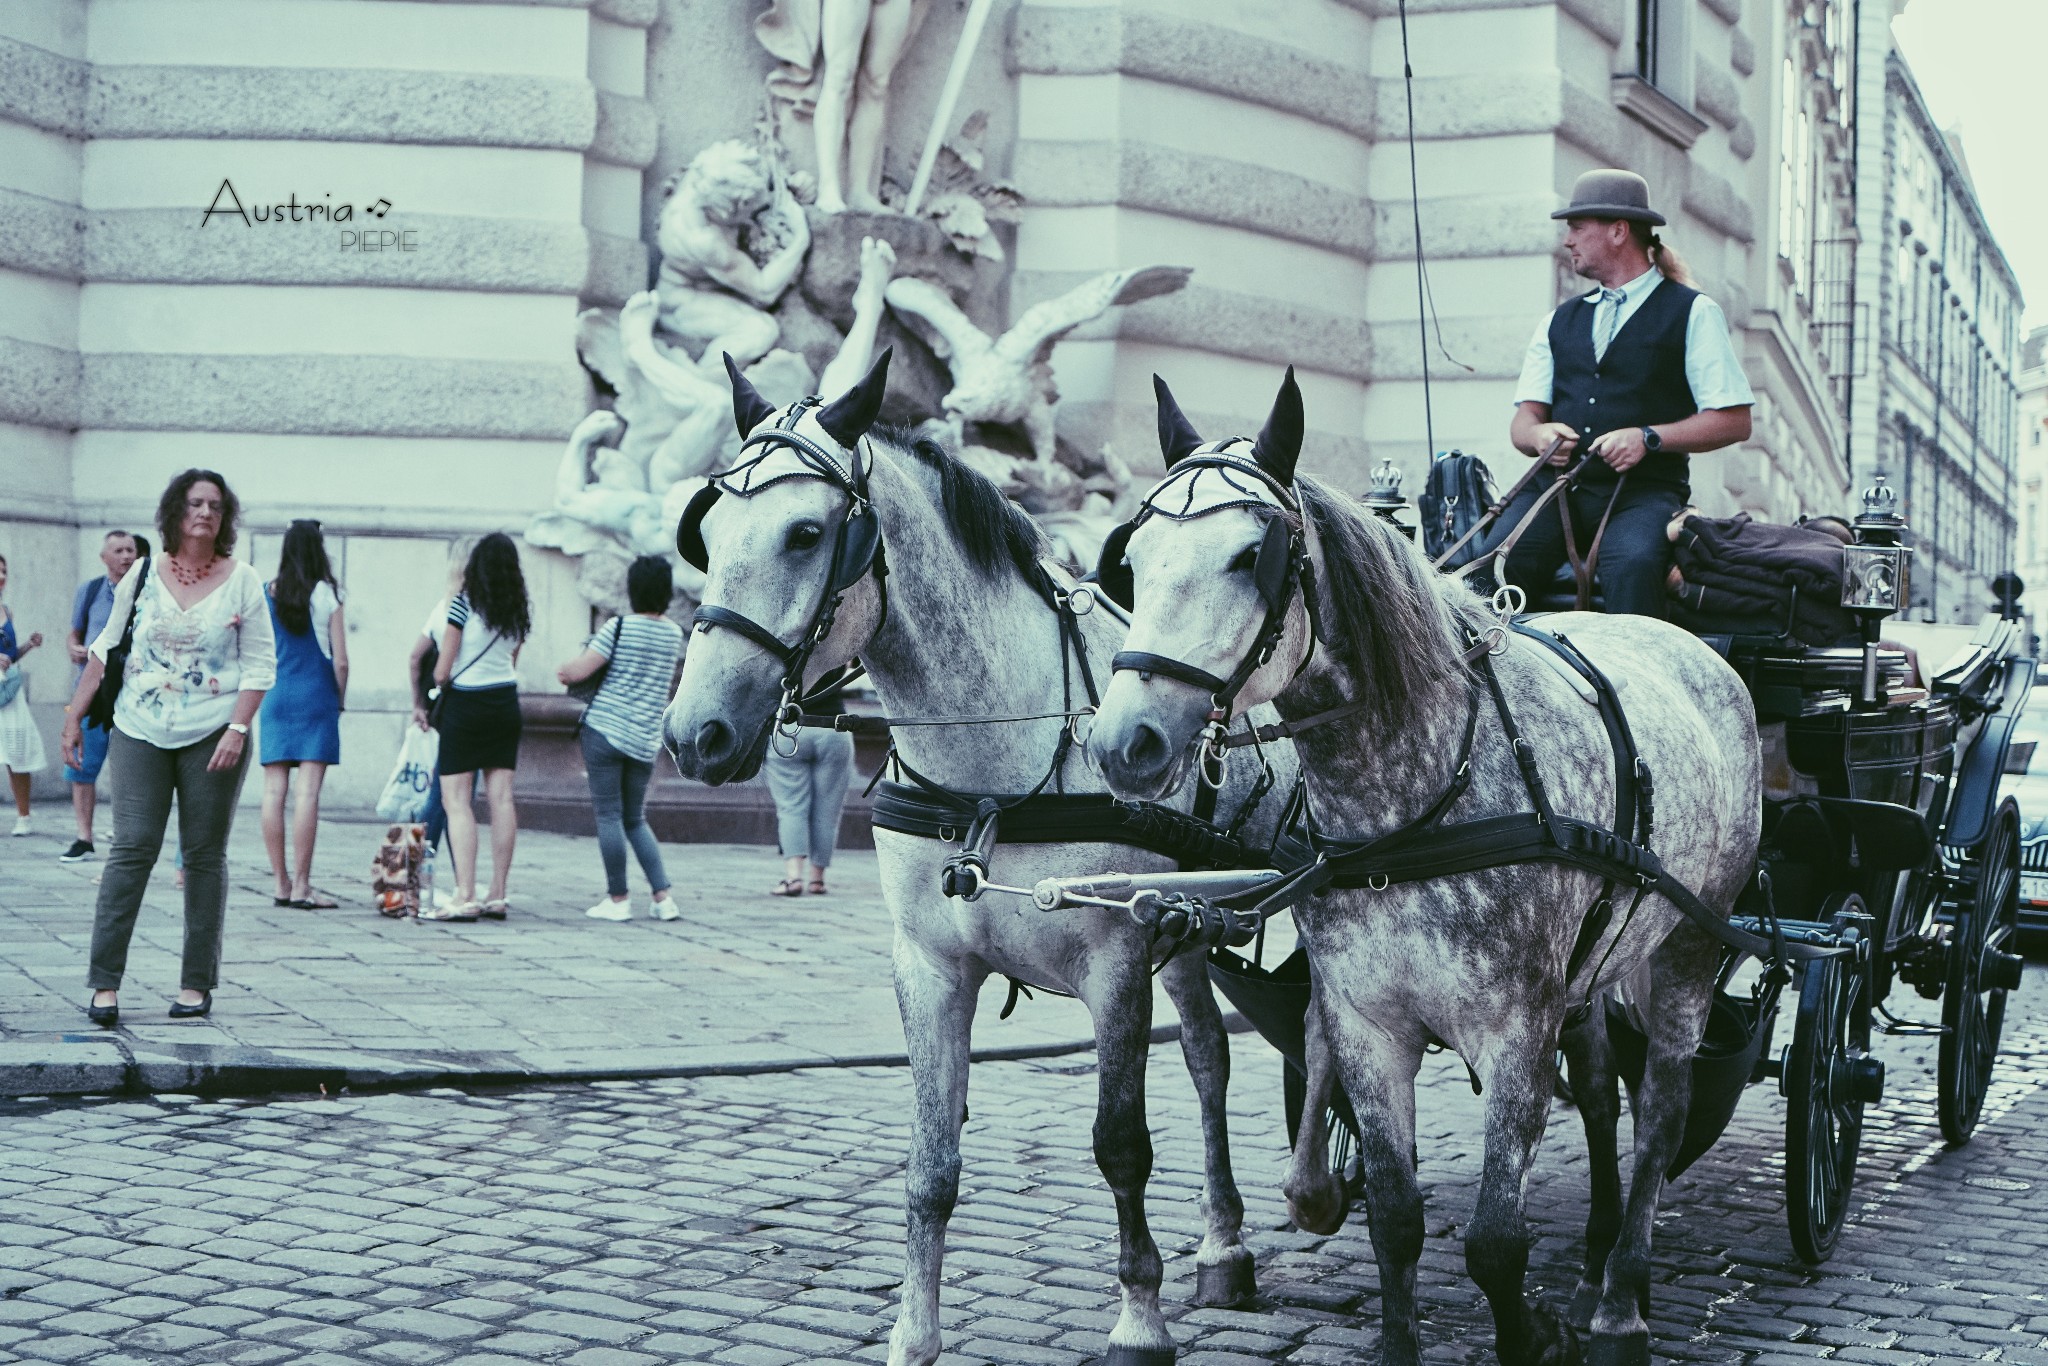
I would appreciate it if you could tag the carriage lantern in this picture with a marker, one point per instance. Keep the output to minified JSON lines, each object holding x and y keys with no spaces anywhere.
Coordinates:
{"x":1383,"y":496}
{"x":1874,"y":572}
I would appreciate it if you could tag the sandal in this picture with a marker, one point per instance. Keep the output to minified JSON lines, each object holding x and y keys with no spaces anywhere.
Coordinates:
{"x":454,"y":910}
{"x":318,"y":901}
{"x":494,"y":910}
{"x":817,"y":887}
{"x":789,"y":886}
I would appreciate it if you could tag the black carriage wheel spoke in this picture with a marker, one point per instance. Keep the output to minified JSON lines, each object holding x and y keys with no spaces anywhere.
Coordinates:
{"x":1986,"y":909}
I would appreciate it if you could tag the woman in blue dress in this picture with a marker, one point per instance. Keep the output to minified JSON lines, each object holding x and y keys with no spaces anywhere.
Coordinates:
{"x":302,"y":714}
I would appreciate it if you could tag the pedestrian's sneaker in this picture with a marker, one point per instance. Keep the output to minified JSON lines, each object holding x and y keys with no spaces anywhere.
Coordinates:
{"x":609,"y":909}
{"x":79,"y":851}
{"x":22,"y":827}
{"x":665,"y":909}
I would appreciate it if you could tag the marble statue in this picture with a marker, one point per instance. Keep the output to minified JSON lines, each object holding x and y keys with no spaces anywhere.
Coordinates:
{"x":1009,"y":379}
{"x":732,"y":240}
{"x":836,"y":59}
{"x":628,"y":472}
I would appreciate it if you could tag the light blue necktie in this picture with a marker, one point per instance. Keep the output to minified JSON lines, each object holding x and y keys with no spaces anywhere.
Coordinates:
{"x":1610,"y":299}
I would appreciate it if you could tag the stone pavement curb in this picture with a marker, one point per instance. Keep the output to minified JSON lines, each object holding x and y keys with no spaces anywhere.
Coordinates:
{"x":107,"y":1063}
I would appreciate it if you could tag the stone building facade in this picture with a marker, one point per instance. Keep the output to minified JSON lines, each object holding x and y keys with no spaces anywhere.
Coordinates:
{"x":1936,"y":404}
{"x":419,"y":387}
{"x":2031,"y":472}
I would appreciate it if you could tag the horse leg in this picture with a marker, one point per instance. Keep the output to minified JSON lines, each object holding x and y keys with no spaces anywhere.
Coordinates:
{"x":1519,"y":1072}
{"x":1123,"y":1151}
{"x":1224,"y":1274}
{"x":1590,"y":1058}
{"x":1378,"y":1071}
{"x":1316,"y":1198}
{"x":1681,"y":976}
{"x":936,"y":1000}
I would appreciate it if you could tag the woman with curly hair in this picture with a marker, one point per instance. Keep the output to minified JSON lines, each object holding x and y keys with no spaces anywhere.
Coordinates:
{"x":479,"y":720}
{"x":200,"y":657}
{"x":302,"y":715}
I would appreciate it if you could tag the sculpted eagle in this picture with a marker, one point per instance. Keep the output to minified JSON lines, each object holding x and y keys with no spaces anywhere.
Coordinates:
{"x":1009,"y":379}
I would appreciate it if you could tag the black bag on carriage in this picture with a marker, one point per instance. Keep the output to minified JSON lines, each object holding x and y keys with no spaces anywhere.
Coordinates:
{"x":1736,"y":576}
{"x":1456,"y":495}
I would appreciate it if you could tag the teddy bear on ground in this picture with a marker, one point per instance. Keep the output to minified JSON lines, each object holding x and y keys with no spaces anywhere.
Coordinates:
{"x":395,"y":871}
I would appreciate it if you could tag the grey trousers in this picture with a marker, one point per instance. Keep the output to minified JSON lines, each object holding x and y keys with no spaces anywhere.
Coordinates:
{"x":145,"y":779}
{"x":809,"y":788}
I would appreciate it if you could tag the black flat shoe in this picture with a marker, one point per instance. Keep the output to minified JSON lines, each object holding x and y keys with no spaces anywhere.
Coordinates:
{"x":106,"y":1017}
{"x":181,"y":1011}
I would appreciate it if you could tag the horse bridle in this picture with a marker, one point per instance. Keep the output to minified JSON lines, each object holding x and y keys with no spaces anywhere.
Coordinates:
{"x":1280,"y":569}
{"x":856,"y":546}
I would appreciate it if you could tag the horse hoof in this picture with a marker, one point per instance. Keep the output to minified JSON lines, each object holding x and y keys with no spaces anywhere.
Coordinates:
{"x":1226,"y":1284}
{"x":1551,"y":1340}
{"x":1585,"y":1300}
{"x":1620,"y":1349}
{"x":1320,"y":1212}
{"x":1138,"y":1356}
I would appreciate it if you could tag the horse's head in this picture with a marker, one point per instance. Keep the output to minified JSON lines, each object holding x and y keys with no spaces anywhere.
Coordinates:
{"x":790,"y":548}
{"x":1213,"y":570}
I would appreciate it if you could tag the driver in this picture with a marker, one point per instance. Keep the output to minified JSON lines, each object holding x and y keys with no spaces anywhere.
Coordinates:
{"x":1637,"y":374}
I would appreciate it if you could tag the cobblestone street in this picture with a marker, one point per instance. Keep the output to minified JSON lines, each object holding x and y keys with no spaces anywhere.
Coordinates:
{"x":756,"y":1220}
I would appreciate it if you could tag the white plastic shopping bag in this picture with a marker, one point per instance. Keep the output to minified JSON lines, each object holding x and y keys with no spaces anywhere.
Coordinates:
{"x":412,"y":777}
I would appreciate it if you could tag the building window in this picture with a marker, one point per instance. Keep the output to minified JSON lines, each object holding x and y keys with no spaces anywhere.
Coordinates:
{"x":1647,"y":26}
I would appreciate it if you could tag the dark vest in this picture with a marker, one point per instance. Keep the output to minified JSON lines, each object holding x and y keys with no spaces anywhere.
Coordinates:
{"x":1639,"y":382}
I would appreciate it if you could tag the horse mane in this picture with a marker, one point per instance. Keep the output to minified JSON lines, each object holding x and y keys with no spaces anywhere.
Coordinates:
{"x":1390,"y":620}
{"x":989,"y":527}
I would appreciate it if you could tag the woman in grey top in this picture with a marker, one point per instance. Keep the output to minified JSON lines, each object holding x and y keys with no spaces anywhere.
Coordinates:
{"x":621,"y":731}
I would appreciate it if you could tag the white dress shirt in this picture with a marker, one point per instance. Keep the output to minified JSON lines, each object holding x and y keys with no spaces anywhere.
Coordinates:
{"x":1711,"y":367}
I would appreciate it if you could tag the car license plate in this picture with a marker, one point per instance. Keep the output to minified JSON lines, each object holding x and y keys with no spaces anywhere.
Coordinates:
{"x":2034,"y":887}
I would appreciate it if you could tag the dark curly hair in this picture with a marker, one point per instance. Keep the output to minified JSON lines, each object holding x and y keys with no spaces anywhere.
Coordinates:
{"x":650,"y":583}
{"x":496,"y":589}
{"x":301,"y":567}
{"x":170,"y":512}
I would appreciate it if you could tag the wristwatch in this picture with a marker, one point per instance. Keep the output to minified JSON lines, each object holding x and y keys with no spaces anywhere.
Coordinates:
{"x":239,"y":727}
{"x":1652,"y":441}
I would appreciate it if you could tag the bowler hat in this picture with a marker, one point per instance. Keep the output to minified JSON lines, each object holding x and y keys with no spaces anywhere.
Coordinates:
{"x":1611,"y":194}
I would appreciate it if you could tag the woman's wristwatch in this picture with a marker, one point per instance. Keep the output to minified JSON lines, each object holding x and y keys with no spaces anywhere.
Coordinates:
{"x":240,"y":728}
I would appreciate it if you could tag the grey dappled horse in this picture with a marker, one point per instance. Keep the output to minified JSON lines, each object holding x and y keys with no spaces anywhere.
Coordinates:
{"x":1476,"y":961}
{"x":964,"y":633}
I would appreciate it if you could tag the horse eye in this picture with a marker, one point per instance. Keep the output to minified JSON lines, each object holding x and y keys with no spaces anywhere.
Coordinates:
{"x":1246,"y":559}
{"x":805,"y":535}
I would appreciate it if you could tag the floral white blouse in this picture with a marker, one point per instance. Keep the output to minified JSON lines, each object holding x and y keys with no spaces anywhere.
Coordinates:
{"x":186,"y":664}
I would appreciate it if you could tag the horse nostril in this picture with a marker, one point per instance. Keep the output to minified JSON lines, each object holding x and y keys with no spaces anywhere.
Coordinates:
{"x":1145,"y":750}
{"x":714,"y":740}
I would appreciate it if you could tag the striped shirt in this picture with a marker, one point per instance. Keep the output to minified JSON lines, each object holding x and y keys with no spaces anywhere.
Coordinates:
{"x":484,"y":658}
{"x":627,"y":709}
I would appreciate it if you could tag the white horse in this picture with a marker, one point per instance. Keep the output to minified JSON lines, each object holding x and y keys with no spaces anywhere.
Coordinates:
{"x":1477,"y":961}
{"x":838,"y":542}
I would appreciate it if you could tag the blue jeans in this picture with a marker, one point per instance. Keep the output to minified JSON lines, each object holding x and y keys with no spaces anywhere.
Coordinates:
{"x":436,"y":814}
{"x":618,"y":796}
{"x":1634,"y":555}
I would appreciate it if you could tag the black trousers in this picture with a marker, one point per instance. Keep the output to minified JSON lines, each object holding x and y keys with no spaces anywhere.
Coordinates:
{"x":1634,"y":554}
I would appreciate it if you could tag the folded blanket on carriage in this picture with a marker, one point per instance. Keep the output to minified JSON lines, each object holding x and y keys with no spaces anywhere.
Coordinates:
{"x":1735,"y":575}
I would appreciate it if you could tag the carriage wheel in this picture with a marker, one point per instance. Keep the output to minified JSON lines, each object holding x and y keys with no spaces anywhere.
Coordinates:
{"x":1828,"y":1078}
{"x":1983,"y":963}
{"x":1345,"y":1159}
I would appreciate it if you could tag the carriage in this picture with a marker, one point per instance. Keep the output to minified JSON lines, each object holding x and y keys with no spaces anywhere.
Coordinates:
{"x":1887,"y":852}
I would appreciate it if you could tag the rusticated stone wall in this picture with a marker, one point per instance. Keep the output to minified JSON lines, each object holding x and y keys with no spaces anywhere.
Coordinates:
{"x":405,"y":395}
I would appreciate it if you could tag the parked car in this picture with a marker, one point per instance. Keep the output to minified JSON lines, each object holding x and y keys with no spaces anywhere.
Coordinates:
{"x":2026,"y":781}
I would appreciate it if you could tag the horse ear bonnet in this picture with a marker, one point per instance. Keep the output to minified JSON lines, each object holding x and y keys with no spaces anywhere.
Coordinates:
{"x":1279,"y":443}
{"x":690,"y":530}
{"x":749,"y":409}
{"x":848,"y":417}
{"x":1178,"y":438}
{"x":1112,"y":575}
